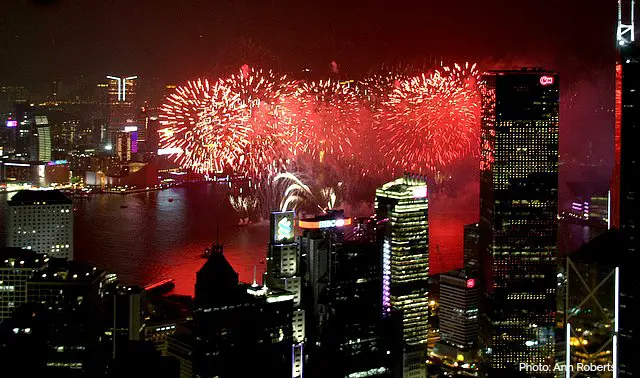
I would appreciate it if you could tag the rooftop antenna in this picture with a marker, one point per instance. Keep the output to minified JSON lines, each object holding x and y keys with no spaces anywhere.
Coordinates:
{"x":626,"y":32}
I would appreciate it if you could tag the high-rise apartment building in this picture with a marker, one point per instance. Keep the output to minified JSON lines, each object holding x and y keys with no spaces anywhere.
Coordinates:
{"x":402,"y":209}
{"x":518,"y":217}
{"x":41,"y":221}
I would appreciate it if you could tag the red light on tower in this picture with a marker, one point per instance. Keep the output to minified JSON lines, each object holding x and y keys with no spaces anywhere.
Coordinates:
{"x":471,"y":283}
{"x":546,"y":80}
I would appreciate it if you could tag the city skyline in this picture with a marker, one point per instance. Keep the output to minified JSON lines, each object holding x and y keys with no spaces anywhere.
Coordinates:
{"x":227,"y":189}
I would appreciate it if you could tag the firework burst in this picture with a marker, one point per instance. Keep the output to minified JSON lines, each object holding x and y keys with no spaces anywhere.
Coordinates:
{"x":205,"y":125}
{"x":329,"y":118}
{"x":270,"y":129}
{"x":430,"y":120}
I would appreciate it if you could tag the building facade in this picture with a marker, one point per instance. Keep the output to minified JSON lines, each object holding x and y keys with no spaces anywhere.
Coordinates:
{"x":284,"y":273}
{"x":518,"y":217}
{"x":459,"y":315}
{"x":41,"y":221}
{"x":624,"y":191}
{"x":402,"y":209}
{"x":17,"y":266}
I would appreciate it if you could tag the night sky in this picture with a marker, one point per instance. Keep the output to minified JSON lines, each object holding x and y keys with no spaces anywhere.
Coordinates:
{"x":177,"y":40}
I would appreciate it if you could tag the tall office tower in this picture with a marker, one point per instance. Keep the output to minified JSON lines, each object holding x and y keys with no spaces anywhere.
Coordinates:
{"x":17,"y":265}
{"x":69,"y":292}
{"x":355,"y":337}
{"x":44,"y":138}
{"x":283,"y":272}
{"x":471,"y":237}
{"x":625,"y":191}
{"x":459,"y":316}
{"x":121,"y":97}
{"x":321,"y":236}
{"x":402,"y":207}
{"x":41,"y":221}
{"x":240,"y":331}
{"x":518,"y":217}
{"x":591,"y":284}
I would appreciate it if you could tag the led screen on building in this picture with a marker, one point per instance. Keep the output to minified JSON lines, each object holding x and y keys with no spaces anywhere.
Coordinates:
{"x":282,"y":227}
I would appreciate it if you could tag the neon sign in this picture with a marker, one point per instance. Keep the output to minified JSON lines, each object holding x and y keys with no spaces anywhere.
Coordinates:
{"x":471,"y":283}
{"x":285,"y":230}
{"x":546,"y":80}
{"x":57,"y":162}
{"x":12,"y":123}
{"x":329,"y":223}
{"x":282,"y":227}
{"x":386,"y":277}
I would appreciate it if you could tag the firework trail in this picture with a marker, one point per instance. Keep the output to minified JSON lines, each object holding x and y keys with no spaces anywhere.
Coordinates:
{"x":244,"y":206}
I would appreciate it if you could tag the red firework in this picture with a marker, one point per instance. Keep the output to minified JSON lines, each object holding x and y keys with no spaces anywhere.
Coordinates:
{"x":269,"y":121}
{"x":328,"y":118}
{"x":430,"y":120}
{"x":204,"y":126}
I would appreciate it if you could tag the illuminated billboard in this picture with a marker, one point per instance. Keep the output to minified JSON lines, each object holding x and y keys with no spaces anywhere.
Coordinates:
{"x":282,"y":227}
{"x":12,"y":123}
{"x":546,"y":80}
{"x":329,"y":223}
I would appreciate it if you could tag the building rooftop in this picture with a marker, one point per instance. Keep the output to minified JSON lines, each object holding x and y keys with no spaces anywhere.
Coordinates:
{"x":60,"y":270}
{"x":409,"y":185}
{"x":12,"y":257}
{"x":27,"y":197}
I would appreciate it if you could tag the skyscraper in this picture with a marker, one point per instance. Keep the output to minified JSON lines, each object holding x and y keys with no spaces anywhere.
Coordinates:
{"x":44,"y":138}
{"x":121,"y":97}
{"x":240,"y":331}
{"x":625,"y":191}
{"x":41,"y":221}
{"x":283,"y":272}
{"x":471,"y":236}
{"x":459,"y":313}
{"x":402,"y":207}
{"x":518,"y":217}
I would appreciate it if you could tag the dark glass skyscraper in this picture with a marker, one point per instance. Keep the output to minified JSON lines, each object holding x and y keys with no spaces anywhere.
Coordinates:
{"x":624,"y":194}
{"x":518,"y":217}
